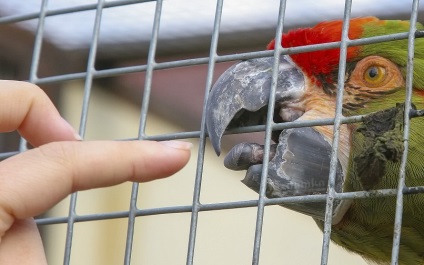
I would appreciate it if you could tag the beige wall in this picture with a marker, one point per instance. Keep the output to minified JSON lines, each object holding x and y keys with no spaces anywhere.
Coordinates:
{"x":224,"y":237}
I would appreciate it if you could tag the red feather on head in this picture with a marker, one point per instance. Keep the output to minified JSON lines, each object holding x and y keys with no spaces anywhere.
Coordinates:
{"x":322,"y":63}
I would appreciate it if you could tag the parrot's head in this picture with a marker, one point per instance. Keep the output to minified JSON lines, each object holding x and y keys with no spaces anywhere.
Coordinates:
{"x":306,"y":90}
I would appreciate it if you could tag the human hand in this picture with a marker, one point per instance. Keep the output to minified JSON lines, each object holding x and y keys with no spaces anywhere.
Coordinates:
{"x":34,"y":181}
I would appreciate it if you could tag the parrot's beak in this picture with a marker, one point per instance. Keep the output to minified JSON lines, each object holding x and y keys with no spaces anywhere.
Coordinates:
{"x":240,"y":96}
{"x":300,"y":159}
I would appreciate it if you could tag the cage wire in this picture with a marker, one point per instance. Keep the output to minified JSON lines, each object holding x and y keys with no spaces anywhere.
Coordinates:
{"x":197,"y":206}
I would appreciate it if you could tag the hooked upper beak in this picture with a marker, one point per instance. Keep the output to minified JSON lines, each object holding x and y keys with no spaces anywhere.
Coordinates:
{"x":240,"y":96}
{"x":300,"y":160}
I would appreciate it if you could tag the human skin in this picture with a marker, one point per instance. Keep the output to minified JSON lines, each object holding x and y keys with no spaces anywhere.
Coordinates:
{"x":62,"y":164}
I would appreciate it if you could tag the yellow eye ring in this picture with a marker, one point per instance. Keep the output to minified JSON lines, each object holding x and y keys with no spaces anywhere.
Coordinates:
{"x":375,"y":75}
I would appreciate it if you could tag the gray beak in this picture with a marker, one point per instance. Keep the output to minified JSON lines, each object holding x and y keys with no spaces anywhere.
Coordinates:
{"x":300,"y":159}
{"x":240,"y":96}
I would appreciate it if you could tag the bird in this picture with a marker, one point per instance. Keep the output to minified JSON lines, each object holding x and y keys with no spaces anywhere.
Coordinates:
{"x":369,"y":153}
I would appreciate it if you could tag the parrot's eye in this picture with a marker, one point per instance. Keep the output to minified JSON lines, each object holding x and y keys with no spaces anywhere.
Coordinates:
{"x":375,"y":75}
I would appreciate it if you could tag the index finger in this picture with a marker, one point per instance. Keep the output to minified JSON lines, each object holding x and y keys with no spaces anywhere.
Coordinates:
{"x":34,"y":181}
{"x":26,"y":108}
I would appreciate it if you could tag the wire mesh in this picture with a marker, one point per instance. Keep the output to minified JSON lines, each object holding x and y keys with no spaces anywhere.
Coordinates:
{"x":197,"y":206}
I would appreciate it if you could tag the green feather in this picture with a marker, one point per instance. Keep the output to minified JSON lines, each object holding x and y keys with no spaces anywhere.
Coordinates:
{"x":396,"y":51}
{"x":367,"y":227}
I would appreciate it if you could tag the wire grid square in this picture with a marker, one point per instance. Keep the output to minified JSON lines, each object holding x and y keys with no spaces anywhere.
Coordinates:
{"x":192,"y":211}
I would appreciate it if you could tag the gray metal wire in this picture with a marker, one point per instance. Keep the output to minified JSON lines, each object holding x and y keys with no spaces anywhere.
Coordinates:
{"x":83,"y":123}
{"x":336,"y":133}
{"x":196,"y":206}
{"x":268,"y":132}
{"x":202,"y":144}
{"x":402,"y":169}
{"x":143,"y":118}
{"x":68,"y":10}
{"x":219,"y":58}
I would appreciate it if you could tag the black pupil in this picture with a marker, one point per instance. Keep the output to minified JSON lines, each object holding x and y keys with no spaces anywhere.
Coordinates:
{"x":373,"y":72}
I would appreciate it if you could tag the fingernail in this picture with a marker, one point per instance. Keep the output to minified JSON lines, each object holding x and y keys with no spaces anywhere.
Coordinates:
{"x":178,"y":144}
{"x":76,"y":135}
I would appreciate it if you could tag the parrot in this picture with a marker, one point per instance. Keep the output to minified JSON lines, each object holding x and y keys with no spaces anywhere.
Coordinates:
{"x":369,"y":153}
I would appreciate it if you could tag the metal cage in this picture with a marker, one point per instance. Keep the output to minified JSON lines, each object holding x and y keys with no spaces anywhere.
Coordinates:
{"x":151,"y":65}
